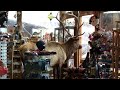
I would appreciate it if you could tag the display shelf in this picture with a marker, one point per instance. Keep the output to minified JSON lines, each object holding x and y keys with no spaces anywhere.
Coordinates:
{"x":35,"y":66}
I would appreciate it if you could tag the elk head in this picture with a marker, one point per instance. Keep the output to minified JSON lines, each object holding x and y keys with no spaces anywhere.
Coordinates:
{"x":74,"y":43}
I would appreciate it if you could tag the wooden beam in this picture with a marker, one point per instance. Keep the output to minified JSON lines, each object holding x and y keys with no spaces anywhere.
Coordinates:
{"x":19,"y":23}
{"x":80,"y":50}
{"x":61,"y":19}
{"x":19,"y":20}
{"x":84,"y":13}
{"x":101,"y":20}
{"x":76,"y":56}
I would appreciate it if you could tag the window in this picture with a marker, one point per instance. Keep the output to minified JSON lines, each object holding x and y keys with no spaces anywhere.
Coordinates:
{"x":88,"y":29}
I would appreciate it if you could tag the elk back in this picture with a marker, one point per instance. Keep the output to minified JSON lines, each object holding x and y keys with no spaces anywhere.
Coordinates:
{"x":60,"y":55}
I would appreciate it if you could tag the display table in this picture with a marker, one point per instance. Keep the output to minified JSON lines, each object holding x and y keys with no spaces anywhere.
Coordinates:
{"x":36,"y":64}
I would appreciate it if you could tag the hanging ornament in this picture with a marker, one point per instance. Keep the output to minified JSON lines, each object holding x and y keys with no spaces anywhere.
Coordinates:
{"x":3,"y":70}
{"x":15,"y":16}
{"x":50,"y":16}
{"x":94,"y":21}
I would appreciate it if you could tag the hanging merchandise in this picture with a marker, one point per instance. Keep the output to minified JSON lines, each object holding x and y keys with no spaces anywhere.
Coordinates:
{"x":100,"y":52}
{"x":100,"y":49}
{"x":94,"y":20}
{"x":3,"y":18}
{"x":4,"y":39}
{"x":17,"y":34}
{"x":3,"y":69}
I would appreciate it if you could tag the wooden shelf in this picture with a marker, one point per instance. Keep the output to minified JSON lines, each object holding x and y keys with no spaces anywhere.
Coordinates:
{"x":115,"y":52}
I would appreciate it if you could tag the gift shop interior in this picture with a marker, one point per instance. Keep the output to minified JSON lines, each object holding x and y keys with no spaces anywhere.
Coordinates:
{"x":59,"y":44}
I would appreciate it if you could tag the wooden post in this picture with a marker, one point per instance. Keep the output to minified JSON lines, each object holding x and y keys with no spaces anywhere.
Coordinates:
{"x":19,"y":21}
{"x":101,"y":19}
{"x":116,"y":56}
{"x":80,"y":50}
{"x":76,"y":56}
{"x":61,"y":19}
{"x":113,"y":55}
{"x":116,"y":52}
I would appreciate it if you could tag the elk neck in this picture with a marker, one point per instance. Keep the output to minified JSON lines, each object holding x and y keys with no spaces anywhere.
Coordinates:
{"x":69,"y":49}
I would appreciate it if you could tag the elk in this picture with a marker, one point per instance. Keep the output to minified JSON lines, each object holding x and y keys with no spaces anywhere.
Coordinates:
{"x":63,"y":50}
{"x":28,"y":46}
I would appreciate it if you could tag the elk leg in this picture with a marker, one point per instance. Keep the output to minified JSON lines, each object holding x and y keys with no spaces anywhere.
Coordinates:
{"x":60,"y":71}
{"x":54,"y":72}
{"x":57,"y":71}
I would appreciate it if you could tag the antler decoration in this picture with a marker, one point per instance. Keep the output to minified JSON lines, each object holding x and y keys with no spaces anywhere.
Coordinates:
{"x":72,"y":15}
{"x":63,"y":25}
{"x":69,"y":14}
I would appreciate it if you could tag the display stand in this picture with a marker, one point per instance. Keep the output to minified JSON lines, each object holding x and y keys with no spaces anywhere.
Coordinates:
{"x":3,"y":50}
{"x":37,"y":65}
{"x":116,"y":52}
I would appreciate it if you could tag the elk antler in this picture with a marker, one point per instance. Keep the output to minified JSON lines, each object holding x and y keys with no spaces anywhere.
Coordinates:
{"x":72,"y":15}
{"x":62,"y":25}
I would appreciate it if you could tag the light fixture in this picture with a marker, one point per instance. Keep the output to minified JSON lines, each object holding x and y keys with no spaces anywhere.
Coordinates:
{"x":19,"y":12}
{"x":50,"y":16}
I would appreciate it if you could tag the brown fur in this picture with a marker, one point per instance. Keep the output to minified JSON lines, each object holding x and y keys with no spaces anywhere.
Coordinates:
{"x":28,"y":46}
{"x":64,"y":51}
